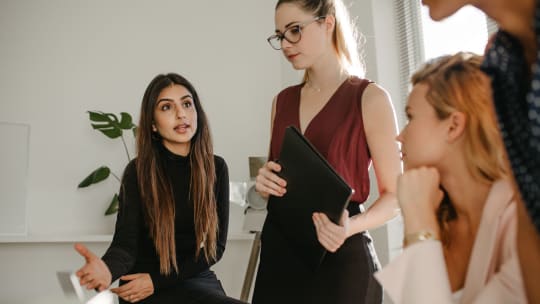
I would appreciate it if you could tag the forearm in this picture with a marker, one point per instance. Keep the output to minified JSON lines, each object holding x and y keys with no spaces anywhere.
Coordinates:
{"x":187,"y":268}
{"x":382,"y":210}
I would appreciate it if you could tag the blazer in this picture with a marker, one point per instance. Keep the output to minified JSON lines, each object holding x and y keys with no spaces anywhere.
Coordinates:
{"x":419,"y":274}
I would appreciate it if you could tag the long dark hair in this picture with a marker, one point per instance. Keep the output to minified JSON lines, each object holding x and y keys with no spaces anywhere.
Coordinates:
{"x":156,"y":189}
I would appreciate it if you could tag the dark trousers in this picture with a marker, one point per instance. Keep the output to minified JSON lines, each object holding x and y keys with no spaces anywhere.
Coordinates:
{"x":204,"y":288}
{"x":344,"y":277}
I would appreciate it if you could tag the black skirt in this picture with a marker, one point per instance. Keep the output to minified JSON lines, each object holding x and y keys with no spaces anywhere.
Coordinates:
{"x":345,"y":276}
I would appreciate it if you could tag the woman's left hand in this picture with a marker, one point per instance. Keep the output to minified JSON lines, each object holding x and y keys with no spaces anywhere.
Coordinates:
{"x":330,"y":235}
{"x":138,"y":288}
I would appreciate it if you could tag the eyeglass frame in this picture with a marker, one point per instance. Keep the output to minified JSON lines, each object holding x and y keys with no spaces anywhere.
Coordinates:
{"x":299,"y":26}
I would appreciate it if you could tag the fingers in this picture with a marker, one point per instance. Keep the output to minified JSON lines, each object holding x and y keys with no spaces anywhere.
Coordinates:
{"x":330,"y":235}
{"x":89,"y":282}
{"x":344,"y":217}
{"x":268,"y":182}
{"x":130,"y":277}
{"x":94,"y":274}
{"x":83,"y":251}
{"x":139,"y":287}
{"x":125,"y":291}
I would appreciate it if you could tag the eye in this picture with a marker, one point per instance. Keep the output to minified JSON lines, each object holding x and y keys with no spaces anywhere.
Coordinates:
{"x":277,"y":37}
{"x":187,"y":104}
{"x":295,"y":30}
{"x":165,"y":107}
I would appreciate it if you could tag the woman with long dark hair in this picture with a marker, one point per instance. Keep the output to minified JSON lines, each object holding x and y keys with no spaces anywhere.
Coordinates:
{"x":174,"y":206}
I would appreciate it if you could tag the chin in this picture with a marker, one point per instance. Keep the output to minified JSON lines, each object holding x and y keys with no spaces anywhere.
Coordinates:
{"x":438,"y":12}
{"x":298,"y":66}
{"x":437,"y":17}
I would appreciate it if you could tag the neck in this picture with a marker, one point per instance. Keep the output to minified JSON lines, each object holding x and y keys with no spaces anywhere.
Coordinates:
{"x":326,"y":74}
{"x":467,"y":194}
{"x":515,"y":17}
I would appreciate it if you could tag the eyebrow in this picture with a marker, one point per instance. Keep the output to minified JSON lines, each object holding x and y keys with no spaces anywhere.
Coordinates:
{"x":170,"y":99}
{"x":287,"y":26}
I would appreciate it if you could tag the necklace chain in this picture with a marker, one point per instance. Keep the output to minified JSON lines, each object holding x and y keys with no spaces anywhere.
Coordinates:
{"x":311,"y":86}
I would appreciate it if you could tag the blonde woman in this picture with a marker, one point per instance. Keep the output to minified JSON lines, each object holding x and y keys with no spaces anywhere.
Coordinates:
{"x":350,"y":120}
{"x":458,"y":206}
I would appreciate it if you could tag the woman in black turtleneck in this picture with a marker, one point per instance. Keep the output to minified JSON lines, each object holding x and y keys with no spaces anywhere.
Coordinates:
{"x":174,"y":207}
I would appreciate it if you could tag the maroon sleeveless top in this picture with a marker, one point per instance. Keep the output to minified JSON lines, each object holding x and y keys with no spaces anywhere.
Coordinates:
{"x":337,"y":131}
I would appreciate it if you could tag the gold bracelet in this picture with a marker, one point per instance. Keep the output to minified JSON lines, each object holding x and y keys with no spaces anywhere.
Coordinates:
{"x":419,"y":236}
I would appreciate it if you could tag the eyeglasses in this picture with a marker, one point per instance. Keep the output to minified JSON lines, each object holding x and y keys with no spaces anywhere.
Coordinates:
{"x":292,"y":34}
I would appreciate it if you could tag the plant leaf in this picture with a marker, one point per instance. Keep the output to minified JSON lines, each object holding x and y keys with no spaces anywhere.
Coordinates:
{"x":113,"y":206}
{"x":110,"y":132}
{"x":106,"y":123}
{"x":95,"y":177}
{"x":97,"y":116}
{"x":126,"y":122}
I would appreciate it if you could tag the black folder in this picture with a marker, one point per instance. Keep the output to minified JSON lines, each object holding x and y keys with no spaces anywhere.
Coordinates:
{"x":312,"y":186}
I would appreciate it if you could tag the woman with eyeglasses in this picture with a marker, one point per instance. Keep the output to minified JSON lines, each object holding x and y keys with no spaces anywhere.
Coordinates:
{"x":351,"y":122}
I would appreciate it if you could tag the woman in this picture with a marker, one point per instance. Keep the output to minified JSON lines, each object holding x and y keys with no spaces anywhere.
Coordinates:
{"x":174,"y":206}
{"x":351,"y":122}
{"x":512,"y":61}
{"x":458,"y":207}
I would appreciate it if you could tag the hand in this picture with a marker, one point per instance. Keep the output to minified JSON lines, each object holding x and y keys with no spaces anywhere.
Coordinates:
{"x":330,"y":235}
{"x":419,"y":188}
{"x":419,"y":196}
{"x":138,"y":288}
{"x":94,"y":274}
{"x":268,"y":182}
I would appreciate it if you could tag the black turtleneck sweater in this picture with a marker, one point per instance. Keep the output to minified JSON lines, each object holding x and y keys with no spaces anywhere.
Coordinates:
{"x":132,"y":249}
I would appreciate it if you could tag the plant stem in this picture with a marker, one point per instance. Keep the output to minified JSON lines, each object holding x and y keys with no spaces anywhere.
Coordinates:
{"x":125,"y":147}
{"x":115,"y":176}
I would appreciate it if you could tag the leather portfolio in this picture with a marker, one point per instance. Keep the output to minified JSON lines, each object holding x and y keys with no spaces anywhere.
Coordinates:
{"x":312,"y":186}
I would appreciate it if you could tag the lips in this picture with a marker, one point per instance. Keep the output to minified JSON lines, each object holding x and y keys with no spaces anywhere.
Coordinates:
{"x":181,"y":128}
{"x":291,"y":56}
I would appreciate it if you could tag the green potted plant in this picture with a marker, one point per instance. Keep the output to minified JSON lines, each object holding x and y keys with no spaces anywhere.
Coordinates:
{"x":113,"y":127}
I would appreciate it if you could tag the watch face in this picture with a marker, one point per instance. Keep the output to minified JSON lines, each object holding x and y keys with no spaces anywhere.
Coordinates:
{"x":254,"y":199}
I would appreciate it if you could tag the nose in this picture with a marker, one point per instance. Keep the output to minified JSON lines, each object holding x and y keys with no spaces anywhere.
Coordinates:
{"x":285,"y":43}
{"x":180,"y":112}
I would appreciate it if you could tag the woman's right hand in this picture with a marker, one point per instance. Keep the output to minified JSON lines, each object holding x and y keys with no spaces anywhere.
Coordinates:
{"x":94,"y":274}
{"x":268,"y":182}
{"x":419,"y":196}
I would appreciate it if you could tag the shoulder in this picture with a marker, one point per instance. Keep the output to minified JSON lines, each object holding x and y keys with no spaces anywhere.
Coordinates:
{"x":131,"y":169}
{"x":500,"y":210}
{"x":291,"y":88}
{"x":219,"y":163}
{"x":375,"y":94}
{"x":376,"y":103}
{"x":288,"y":91}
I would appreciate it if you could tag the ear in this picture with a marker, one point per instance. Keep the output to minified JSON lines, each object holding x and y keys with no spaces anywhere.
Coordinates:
{"x":154,"y":129}
{"x":457,"y":122}
{"x":330,"y":22}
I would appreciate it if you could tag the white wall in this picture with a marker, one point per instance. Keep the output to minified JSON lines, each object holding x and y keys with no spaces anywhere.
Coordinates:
{"x":60,"y":58}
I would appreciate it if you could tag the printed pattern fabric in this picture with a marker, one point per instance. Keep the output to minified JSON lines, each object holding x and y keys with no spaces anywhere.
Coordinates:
{"x":516,"y":95}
